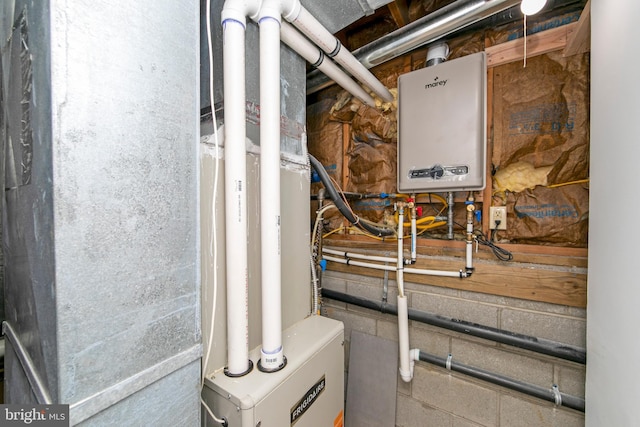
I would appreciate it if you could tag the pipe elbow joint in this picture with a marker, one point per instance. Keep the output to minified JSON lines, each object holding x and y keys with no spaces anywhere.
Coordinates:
{"x":238,"y":10}
{"x":290,"y":9}
{"x":407,"y":376}
{"x":276,"y":9}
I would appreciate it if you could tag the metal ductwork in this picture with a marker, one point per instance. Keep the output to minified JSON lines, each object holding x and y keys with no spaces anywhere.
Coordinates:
{"x":443,"y":21}
{"x":337,"y":14}
{"x":462,"y":14}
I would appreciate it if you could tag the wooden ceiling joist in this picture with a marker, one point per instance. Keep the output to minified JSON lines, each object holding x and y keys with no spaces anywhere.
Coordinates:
{"x":400,"y":12}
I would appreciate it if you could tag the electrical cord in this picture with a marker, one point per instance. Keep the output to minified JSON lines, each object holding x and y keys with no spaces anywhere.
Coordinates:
{"x":342,"y":205}
{"x":213,"y":247}
{"x":500,"y":253}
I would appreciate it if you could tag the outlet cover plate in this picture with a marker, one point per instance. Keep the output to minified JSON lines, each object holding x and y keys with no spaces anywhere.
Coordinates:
{"x":498,"y":213}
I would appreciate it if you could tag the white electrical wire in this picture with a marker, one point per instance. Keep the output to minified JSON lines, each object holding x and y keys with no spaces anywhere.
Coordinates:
{"x":213,"y":246}
{"x":314,"y":276}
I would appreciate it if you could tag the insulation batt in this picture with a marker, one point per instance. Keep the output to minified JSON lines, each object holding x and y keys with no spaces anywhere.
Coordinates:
{"x":519,"y":176}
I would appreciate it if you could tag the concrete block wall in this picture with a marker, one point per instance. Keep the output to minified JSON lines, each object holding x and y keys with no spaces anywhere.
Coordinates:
{"x":440,"y":398}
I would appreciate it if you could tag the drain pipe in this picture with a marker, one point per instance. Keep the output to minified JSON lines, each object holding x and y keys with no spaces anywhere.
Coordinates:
{"x":234,"y":24}
{"x":316,"y":57}
{"x":407,"y":357}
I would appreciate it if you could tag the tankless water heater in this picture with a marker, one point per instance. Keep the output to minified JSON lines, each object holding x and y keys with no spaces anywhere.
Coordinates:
{"x":442,"y":126}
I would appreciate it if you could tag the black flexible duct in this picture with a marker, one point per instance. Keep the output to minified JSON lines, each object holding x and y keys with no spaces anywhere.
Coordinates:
{"x":526,"y":342}
{"x":563,"y":399}
{"x":341,"y":205}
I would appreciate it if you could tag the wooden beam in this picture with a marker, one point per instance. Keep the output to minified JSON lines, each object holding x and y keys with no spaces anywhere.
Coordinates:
{"x":580,"y":40}
{"x":537,"y":44}
{"x":554,"y":286}
{"x":534,"y":256}
{"x":400,"y":12}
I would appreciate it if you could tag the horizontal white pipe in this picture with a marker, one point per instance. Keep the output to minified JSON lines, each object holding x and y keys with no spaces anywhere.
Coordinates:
{"x":235,"y":197}
{"x":423,"y":272}
{"x":313,"y":29}
{"x":441,"y":273}
{"x":360,"y":263}
{"x":316,"y":57}
{"x":359,"y":256}
{"x":272,"y":355}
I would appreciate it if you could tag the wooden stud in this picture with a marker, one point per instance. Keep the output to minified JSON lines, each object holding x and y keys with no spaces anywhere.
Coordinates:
{"x":346,"y":140}
{"x":537,"y":44}
{"x":580,"y":40}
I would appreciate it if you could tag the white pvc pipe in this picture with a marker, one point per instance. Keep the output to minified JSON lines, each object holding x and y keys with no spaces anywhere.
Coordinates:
{"x":469,"y":247}
{"x":313,"y":29}
{"x":441,"y":273}
{"x":360,"y":263}
{"x":271,"y":354}
{"x":414,"y":231}
{"x":235,"y":197}
{"x":359,"y":256}
{"x":400,"y":261}
{"x":316,"y":57}
{"x":406,"y":371}
{"x":349,"y":261}
{"x":406,"y":364}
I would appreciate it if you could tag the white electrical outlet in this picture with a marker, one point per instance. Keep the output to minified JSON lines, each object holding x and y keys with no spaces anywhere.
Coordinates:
{"x":498,"y":213}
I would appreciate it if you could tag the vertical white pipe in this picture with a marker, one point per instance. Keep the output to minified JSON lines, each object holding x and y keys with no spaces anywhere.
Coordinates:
{"x":272,"y":357}
{"x":235,"y":197}
{"x":469,"y":251}
{"x":313,"y":29}
{"x":403,"y":339}
{"x":414,"y":230}
{"x":403,"y":313}
{"x":400,"y":260}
